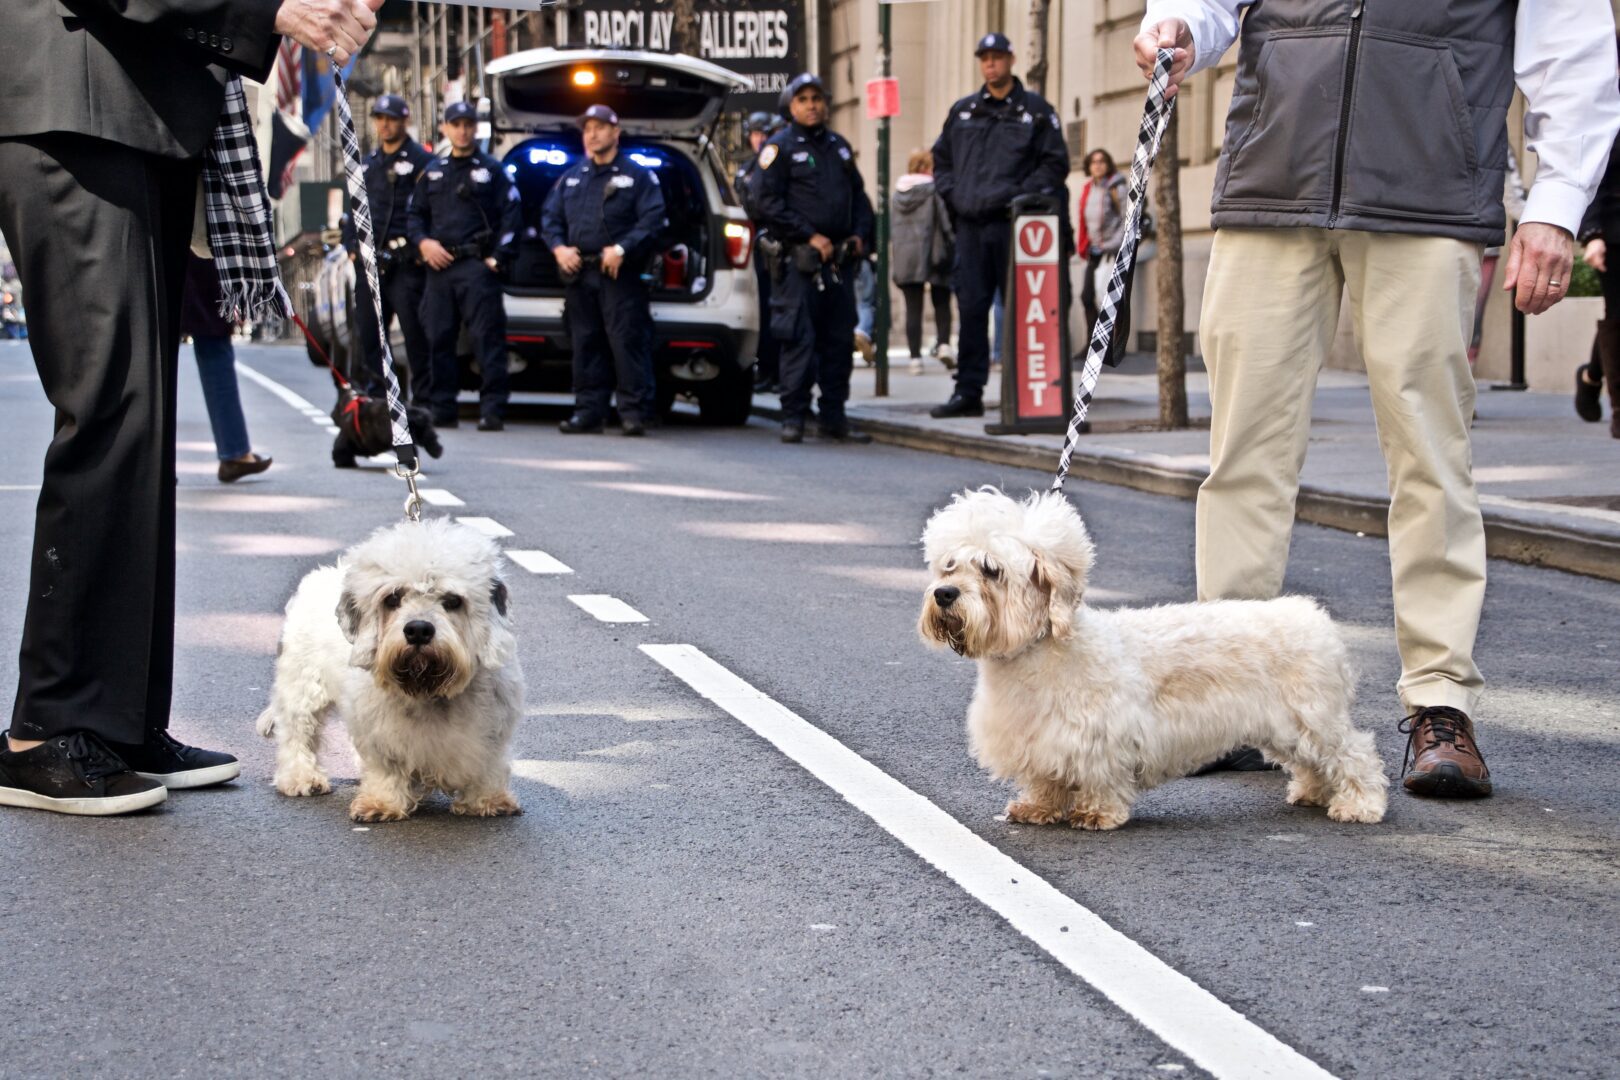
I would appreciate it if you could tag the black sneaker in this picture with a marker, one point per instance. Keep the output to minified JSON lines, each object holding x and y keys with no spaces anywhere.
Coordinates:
{"x":1243,"y":759}
{"x":958,"y":406}
{"x":634,"y":429}
{"x":491,"y":423}
{"x":74,"y":774}
{"x":175,"y":765}
{"x":844,"y":435}
{"x":792,"y":431}
{"x":579,"y":424}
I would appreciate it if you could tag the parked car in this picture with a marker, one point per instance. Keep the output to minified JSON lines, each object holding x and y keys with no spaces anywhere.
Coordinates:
{"x":704,"y":300}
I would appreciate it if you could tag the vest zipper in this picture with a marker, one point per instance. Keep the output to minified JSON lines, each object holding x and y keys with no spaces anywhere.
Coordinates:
{"x":1344,"y":110}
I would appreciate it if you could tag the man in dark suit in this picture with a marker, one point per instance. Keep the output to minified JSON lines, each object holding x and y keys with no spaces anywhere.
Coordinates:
{"x":108,"y":107}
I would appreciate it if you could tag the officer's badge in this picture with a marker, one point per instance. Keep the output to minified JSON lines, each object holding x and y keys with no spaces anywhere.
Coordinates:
{"x":435,"y":175}
{"x":480,"y":176}
{"x":404,"y":168}
{"x":843,"y":152}
{"x":1026,"y":118}
{"x":572,"y":181}
{"x":964,"y":115}
{"x":801,"y":156}
{"x":767,"y":155}
{"x":623,"y":181}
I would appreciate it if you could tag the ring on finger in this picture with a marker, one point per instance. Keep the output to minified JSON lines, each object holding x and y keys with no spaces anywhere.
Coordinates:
{"x":331,"y":50}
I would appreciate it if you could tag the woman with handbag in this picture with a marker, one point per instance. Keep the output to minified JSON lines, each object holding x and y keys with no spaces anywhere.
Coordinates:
{"x":923,"y":250}
{"x":1102,"y":227}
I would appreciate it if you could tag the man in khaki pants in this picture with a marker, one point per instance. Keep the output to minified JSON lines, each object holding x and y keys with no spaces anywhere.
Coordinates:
{"x":1365,"y":148}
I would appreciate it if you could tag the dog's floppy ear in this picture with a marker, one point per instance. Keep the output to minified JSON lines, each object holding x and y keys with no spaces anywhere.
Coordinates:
{"x":351,"y":618}
{"x":497,"y":596}
{"x":1051,"y":578}
{"x":498,"y":646}
{"x":1063,"y":555}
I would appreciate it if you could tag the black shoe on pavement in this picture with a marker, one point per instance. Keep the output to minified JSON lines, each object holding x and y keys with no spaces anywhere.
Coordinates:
{"x":958,"y":406}
{"x":1588,"y":396}
{"x":633,"y":429}
{"x":491,"y":423}
{"x":792,"y":431}
{"x":1243,"y":759}
{"x":175,"y":765}
{"x":74,"y":774}
{"x":845,"y":435}
{"x":580,"y":425}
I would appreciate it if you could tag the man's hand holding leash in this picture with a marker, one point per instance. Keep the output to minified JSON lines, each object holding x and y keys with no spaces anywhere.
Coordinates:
{"x":1169,"y":34}
{"x":337,"y":28}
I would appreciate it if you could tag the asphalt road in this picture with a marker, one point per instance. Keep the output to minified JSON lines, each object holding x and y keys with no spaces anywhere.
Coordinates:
{"x":681,"y":899}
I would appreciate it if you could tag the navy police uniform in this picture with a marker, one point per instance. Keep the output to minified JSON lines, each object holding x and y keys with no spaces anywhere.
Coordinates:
{"x":390,"y":179}
{"x":807,"y":184}
{"x":990,"y":152}
{"x":746,"y":184}
{"x":592,"y":207}
{"x":471,"y":206}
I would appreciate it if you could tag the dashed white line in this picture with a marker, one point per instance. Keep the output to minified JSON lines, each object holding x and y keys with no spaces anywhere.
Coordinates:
{"x":487,"y":526}
{"x":439,"y":497}
{"x":1166,"y":1002}
{"x":277,"y":389}
{"x":607,"y":608}
{"x":538,"y":562}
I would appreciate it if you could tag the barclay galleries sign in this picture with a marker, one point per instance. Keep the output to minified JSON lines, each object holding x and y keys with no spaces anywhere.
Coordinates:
{"x":762,"y":42}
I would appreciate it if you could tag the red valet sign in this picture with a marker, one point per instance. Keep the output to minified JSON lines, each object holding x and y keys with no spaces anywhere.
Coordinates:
{"x":1037,"y":317}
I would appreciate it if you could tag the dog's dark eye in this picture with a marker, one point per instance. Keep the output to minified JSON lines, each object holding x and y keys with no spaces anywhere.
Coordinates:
{"x":391,"y":600}
{"x":991,"y":571}
{"x":452,"y":603}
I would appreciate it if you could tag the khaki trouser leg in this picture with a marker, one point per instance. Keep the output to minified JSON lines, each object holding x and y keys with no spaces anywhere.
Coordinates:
{"x":1271,"y":307}
{"x":1412,"y":299}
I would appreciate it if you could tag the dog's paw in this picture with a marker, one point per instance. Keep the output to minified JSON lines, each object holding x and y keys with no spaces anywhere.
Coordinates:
{"x":1363,"y":810}
{"x":303,"y":783}
{"x":1030,"y":813}
{"x":1303,"y":794}
{"x":371,"y":808}
{"x":502,"y":804}
{"x":1096,"y":820}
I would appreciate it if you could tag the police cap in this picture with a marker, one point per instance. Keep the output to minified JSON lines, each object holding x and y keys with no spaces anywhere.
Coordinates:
{"x":391,"y":105}
{"x":459,"y":110}
{"x":599,"y":112}
{"x":797,"y":83}
{"x":992,"y":42}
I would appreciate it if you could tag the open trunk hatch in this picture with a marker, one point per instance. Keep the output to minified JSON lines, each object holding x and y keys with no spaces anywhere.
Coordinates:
{"x":661,"y":94}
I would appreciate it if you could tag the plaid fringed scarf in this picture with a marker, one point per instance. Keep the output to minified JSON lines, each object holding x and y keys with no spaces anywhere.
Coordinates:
{"x":238,"y":212}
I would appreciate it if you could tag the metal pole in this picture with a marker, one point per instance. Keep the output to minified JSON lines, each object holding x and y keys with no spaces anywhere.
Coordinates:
{"x":880,"y":322}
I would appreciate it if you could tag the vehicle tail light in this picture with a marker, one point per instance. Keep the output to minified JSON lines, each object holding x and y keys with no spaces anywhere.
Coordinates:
{"x":739,"y":242}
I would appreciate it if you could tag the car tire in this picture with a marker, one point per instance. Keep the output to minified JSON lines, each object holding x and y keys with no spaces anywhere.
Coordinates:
{"x":727,"y":401}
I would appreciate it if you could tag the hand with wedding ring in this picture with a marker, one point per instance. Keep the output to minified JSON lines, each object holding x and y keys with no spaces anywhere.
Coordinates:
{"x":337,"y":28}
{"x":1540,"y":261}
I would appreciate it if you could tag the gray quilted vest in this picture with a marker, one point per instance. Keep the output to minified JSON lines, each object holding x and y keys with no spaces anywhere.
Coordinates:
{"x":1381,"y":115}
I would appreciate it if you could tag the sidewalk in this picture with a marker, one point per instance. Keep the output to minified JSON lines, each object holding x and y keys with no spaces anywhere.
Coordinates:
{"x":1549,"y":483}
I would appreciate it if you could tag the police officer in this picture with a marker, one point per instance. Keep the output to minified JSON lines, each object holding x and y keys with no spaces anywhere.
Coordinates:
{"x":998,"y":143}
{"x":392,"y":169}
{"x":464,"y":221}
{"x":759,"y":128}
{"x":601,"y":220}
{"x":813,"y":203}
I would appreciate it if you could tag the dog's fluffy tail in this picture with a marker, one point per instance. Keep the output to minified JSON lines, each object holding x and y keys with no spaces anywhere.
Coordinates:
{"x":266,"y":723}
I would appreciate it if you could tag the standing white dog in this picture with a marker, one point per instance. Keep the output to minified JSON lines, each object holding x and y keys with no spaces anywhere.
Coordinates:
{"x":1085,"y":709}
{"x":407,"y":639}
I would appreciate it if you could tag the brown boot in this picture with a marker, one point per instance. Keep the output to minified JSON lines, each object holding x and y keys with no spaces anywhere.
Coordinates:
{"x":1608,"y":338}
{"x":1442,"y":758}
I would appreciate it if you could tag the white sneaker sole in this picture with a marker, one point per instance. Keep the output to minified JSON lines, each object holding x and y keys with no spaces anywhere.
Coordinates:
{"x":196,"y":778}
{"x":117,"y":804}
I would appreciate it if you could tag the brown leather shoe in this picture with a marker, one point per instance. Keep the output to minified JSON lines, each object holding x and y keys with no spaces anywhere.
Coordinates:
{"x":233,"y":470}
{"x":1442,"y":758}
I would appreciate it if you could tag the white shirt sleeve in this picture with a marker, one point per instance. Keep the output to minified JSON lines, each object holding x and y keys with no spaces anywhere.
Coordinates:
{"x":1564,"y":62}
{"x":1213,"y":23}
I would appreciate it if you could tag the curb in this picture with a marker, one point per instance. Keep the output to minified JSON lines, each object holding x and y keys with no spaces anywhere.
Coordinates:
{"x":1517,"y":539}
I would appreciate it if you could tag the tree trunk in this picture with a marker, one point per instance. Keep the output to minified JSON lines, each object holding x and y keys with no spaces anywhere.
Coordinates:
{"x":1172,"y":301}
{"x":1035,"y":74}
{"x":685,"y":28}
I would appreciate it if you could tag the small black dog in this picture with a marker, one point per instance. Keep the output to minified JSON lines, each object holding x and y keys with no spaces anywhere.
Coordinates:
{"x":364,"y":430}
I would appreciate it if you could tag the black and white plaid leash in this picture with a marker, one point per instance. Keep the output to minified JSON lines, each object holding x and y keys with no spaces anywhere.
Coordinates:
{"x":1155,"y":117}
{"x":360,"y":209}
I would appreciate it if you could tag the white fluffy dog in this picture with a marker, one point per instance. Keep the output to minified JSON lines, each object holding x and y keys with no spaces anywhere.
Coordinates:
{"x":1084,"y":709}
{"x":407,"y":639}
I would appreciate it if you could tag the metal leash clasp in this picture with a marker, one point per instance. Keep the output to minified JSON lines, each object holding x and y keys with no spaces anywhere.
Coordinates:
{"x":413,"y":501}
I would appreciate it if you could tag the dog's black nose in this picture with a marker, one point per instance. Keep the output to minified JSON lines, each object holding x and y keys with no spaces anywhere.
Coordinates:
{"x":946,"y":595}
{"x":418,"y":631}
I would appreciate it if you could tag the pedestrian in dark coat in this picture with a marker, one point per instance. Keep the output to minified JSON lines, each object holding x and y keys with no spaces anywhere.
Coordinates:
{"x":922,"y":252}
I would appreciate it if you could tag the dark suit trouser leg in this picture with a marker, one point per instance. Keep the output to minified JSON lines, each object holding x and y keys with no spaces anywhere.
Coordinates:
{"x":593,"y":380}
{"x":99,"y":234}
{"x":627,"y":311}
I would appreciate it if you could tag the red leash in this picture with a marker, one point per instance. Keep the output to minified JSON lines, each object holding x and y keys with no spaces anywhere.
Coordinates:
{"x":321,"y":352}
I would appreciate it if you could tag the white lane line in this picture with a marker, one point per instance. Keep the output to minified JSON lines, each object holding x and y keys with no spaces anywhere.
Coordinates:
{"x":439,"y":497}
{"x":1176,"y":1009}
{"x":607,"y":608}
{"x":538,"y":562}
{"x":487,"y":526}
{"x":277,"y":389}
{"x":19,"y":487}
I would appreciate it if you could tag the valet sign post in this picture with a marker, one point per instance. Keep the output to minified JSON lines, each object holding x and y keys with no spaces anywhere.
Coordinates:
{"x":1035,"y":388}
